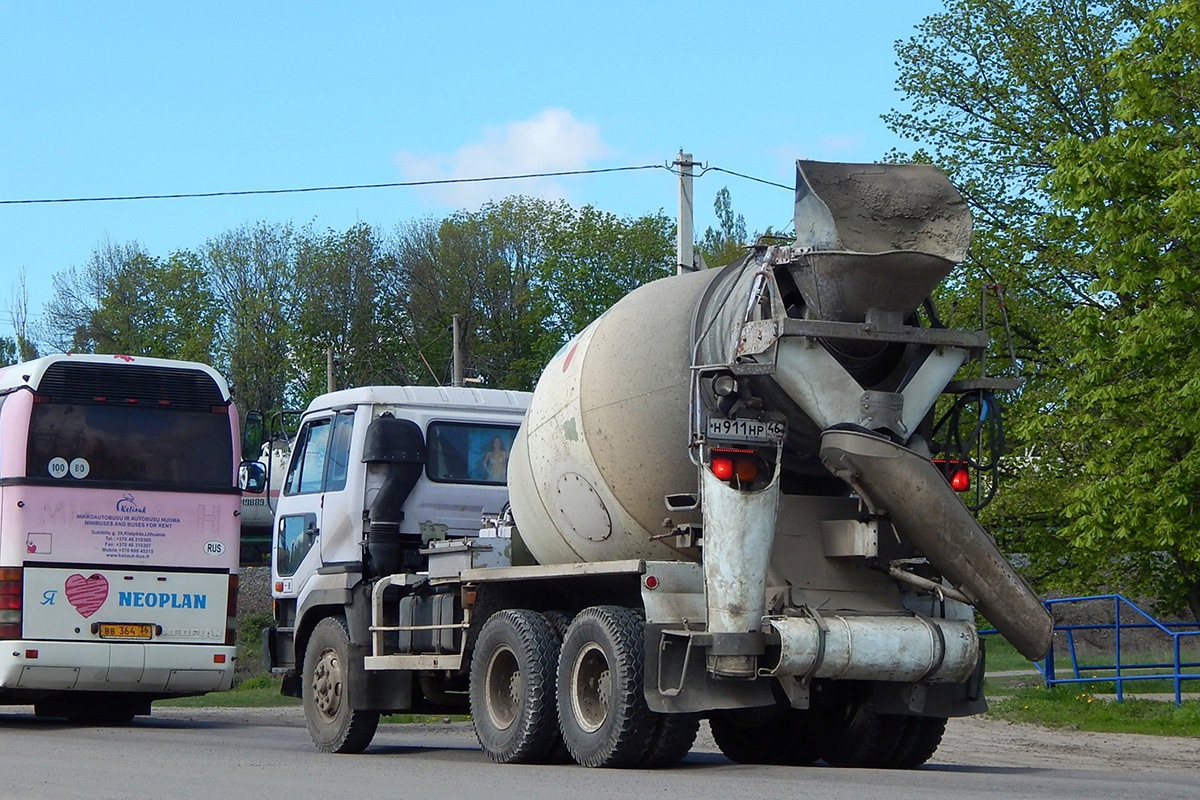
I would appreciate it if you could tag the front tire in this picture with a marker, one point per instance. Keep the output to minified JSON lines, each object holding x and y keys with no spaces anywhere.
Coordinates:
{"x":602,"y":710}
{"x":512,"y":687}
{"x":333,"y":723}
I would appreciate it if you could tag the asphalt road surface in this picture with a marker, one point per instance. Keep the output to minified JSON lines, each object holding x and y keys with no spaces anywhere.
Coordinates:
{"x":180,"y":754}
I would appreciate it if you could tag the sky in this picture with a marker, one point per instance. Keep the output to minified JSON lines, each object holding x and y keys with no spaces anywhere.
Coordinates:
{"x":134,"y":98}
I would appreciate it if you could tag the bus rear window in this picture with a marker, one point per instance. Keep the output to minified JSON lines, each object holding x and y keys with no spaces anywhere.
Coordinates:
{"x":111,"y":443}
{"x":460,"y":453}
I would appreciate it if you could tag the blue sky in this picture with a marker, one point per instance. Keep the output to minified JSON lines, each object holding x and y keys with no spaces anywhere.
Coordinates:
{"x":119,"y":98}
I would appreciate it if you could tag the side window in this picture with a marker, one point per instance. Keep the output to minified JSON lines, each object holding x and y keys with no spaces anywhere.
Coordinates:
{"x":296,"y":536}
{"x":338,"y":465}
{"x":465,"y":453}
{"x":307,"y":469}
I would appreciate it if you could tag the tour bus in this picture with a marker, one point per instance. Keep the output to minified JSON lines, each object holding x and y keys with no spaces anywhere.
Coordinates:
{"x":119,"y":528}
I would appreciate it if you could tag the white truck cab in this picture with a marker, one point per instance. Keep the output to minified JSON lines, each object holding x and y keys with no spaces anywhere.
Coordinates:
{"x":376,"y":475}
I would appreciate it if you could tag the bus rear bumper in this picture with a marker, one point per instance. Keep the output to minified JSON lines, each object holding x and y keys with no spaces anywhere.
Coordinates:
{"x":115,"y":667}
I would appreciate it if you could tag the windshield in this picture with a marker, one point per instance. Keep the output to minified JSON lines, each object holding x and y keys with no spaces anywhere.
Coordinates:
{"x":120,"y":444}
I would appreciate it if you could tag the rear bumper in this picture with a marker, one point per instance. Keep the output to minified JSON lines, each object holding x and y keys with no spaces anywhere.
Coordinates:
{"x":27,"y":664}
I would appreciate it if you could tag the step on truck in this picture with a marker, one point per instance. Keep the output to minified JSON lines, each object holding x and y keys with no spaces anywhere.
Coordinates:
{"x":721,"y":503}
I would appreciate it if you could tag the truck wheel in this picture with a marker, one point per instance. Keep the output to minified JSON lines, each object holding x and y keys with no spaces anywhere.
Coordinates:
{"x":674,"y":735}
{"x":512,"y":687}
{"x":918,"y":741}
{"x":858,"y":736}
{"x":765,"y":736}
{"x":333,"y":723}
{"x":602,"y":710}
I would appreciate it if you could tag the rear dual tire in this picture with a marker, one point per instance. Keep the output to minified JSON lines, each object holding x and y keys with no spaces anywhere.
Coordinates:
{"x":512,"y":688}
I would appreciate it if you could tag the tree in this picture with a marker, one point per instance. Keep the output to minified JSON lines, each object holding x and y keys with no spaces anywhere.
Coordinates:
{"x":338,"y":279}
{"x":728,"y":240}
{"x":524,"y":275}
{"x":126,"y":301}
{"x":24,"y":346}
{"x":1134,"y":410}
{"x":990,"y":87}
{"x":593,"y":259}
{"x":252,"y":277}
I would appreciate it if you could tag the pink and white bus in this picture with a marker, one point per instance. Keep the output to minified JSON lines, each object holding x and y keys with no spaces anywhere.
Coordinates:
{"x":118,"y":534}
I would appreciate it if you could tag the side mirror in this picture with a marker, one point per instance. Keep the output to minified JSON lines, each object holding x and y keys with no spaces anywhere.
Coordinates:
{"x":252,"y":477}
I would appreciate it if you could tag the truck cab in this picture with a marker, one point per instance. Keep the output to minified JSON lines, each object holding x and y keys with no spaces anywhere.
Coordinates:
{"x":376,"y":476}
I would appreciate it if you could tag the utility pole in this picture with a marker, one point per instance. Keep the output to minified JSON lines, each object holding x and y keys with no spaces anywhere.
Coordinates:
{"x":685,"y":259}
{"x":330,"y":384}
{"x":458,"y":372}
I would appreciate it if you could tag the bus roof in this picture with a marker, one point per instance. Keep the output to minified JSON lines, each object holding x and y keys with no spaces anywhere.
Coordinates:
{"x":439,"y":397}
{"x":30,"y":373}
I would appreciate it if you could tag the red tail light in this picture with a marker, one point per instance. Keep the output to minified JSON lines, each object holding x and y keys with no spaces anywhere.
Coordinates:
{"x":231,"y":612}
{"x":722,"y":468}
{"x":955,"y":473}
{"x":10,"y":602}
{"x":960,"y":481}
{"x":727,"y":464}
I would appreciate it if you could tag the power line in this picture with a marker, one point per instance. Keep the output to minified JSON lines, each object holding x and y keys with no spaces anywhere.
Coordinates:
{"x":396,"y":184}
{"x":747,"y":177}
{"x":392,"y":185}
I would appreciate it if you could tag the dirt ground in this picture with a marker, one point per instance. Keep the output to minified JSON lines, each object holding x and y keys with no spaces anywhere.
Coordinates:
{"x":978,"y":741}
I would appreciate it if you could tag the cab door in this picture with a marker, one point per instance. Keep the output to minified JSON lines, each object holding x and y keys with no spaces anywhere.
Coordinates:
{"x":318,"y":467}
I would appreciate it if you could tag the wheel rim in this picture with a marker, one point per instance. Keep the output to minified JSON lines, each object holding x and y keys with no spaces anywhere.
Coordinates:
{"x":327,"y":684}
{"x":591,"y":687}
{"x":503,"y":687}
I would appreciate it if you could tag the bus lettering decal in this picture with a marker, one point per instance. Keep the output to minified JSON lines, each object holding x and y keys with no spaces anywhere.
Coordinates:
{"x":48,"y":597}
{"x":162,"y":600}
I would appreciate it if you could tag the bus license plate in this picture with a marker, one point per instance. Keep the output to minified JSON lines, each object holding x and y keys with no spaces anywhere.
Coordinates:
{"x":126,"y":630}
{"x":746,"y":430}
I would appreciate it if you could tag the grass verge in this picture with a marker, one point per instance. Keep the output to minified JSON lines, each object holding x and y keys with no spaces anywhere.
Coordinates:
{"x":261,"y":691}
{"x":1061,"y":707}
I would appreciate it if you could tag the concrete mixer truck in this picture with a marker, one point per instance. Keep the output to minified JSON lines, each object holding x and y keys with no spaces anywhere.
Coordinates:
{"x":722,"y":506}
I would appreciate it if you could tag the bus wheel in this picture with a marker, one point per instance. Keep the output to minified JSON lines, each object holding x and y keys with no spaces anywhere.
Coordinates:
{"x":94,"y":710}
{"x":334,"y":724}
{"x":512,"y":687}
{"x":602,"y":710}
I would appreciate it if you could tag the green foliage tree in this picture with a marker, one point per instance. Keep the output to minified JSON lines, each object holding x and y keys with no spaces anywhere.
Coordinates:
{"x":1133,"y":410}
{"x":593,"y":259}
{"x":338,"y":279}
{"x":524,"y":275}
{"x":989,"y":87}
{"x":8,"y":351}
{"x":251,"y":273}
{"x":127,"y":301}
{"x":727,"y":241}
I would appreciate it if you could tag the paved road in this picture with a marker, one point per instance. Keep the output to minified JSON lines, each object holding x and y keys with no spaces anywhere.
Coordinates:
{"x":181,"y":754}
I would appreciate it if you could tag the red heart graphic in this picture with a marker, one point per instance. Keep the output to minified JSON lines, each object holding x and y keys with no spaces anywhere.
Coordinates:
{"x":86,"y":594}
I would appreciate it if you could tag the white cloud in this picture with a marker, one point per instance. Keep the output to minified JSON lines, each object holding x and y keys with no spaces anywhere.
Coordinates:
{"x":553,"y":140}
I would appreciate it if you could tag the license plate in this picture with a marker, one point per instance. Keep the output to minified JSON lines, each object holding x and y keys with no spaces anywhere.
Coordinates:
{"x":746,"y":430}
{"x":126,"y":630}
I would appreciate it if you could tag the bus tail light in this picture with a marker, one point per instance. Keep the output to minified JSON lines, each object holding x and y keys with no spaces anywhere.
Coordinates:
{"x":10,"y":602}
{"x":231,"y":612}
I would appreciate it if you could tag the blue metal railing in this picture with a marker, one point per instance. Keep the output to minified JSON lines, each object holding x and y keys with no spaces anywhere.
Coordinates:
{"x":1118,"y":671}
